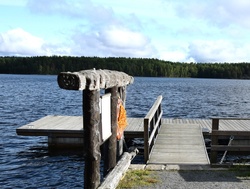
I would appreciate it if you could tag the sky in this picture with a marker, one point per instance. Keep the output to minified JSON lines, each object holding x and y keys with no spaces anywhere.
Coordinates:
{"x":171,"y":30}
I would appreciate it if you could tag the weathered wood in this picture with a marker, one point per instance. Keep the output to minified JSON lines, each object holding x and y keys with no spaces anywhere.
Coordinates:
{"x":113,"y":178}
{"x":110,"y":159}
{"x":92,"y":139}
{"x":93,"y":79}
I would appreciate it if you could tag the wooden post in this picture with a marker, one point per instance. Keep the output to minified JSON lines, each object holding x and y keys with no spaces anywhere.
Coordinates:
{"x":214,"y":140}
{"x":91,"y":121}
{"x":110,"y":161}
{"x":146,"y":138}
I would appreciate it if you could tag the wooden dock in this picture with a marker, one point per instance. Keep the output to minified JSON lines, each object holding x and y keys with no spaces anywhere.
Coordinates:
{"x":179,"y":141}
{"x":71,"y":126}
{"x":179,"y":144}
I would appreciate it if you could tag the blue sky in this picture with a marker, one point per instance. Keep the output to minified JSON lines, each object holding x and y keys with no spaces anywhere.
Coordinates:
{"x":174,"y":30}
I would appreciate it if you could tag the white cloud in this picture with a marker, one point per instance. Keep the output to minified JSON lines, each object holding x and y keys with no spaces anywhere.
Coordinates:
{"x":114,"y":41}
{"x":123,"y":38}
{"x":218,"y":51}
{"x":17,"y":42}
{"x":176,"y":56}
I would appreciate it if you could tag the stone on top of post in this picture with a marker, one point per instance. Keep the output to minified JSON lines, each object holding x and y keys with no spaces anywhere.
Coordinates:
{"x":93,"y":79}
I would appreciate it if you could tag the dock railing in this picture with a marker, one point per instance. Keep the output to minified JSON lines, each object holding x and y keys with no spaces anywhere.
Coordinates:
{"x":217,"y":134}
{"x":152,"y":124}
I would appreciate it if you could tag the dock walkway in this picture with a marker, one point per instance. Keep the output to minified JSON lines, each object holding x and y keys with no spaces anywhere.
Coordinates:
{"x":179,"y":144}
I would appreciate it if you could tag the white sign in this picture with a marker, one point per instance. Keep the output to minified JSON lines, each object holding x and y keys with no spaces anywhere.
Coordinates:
{"x":105,"y":107}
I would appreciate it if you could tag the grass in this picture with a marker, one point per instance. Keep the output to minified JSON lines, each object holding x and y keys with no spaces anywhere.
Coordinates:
{"x":135,"y":178}
{"x":241,"y":170}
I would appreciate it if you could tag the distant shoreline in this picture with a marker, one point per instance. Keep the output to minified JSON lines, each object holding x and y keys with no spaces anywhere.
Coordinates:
{"x":138,"y":67}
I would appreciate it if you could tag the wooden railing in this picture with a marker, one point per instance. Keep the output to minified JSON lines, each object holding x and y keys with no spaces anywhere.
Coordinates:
{"x":216,"y":134}
{"x":152,"y":124}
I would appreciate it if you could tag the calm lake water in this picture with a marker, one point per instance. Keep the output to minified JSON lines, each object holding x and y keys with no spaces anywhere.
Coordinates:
{"x":25,"y":161}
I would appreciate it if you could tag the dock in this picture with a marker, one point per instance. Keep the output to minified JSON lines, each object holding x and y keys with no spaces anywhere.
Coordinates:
{"x":179,"y":144}
{"x":71,"y":126}
{"x":177,"y":138}
{"x":57,"y":125}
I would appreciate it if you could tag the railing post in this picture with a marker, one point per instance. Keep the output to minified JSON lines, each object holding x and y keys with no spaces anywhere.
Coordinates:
{"x":146,"y":138}
{"x":214,"y":140}
{"x":152,"y":123}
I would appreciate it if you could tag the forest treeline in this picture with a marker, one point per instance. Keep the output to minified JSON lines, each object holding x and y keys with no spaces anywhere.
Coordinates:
{"x":145,"y":67}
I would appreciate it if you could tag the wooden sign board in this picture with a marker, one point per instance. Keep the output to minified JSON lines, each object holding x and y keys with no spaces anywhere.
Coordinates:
{"x":105,"y":108}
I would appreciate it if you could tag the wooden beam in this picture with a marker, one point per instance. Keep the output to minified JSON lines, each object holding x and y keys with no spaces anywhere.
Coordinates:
{"x":91,"y":138}
{"x":154,"y":108}
{"x":229,"y":118}
{"x":113,"y":178}
{"x":93,"y":79}
{"x":230,"y":148}
{"x":231,"y":133}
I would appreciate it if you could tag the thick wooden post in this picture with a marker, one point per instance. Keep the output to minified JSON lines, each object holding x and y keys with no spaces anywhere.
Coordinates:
{"x":110,"y":163}
{"x":92,"y":139}
{"x":214,"y":140}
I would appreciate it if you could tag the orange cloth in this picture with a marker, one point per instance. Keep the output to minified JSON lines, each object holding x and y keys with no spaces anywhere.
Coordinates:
{"x":122,"y":122}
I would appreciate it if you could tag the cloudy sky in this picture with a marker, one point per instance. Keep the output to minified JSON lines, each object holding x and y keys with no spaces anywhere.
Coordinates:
{"x":174,"y":30}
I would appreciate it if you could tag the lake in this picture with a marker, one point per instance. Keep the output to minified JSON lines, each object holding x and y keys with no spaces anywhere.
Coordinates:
{"x":25,"y":161}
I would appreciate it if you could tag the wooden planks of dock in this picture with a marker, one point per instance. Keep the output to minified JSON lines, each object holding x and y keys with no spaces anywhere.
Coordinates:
{"x":54,"y":125}
{"x":179,"y":144}
{"x":71,"y":126}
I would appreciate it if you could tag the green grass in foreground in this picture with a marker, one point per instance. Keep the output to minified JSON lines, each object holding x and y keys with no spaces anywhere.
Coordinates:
{"x":241,"y":170}
{"x":135,"y":178}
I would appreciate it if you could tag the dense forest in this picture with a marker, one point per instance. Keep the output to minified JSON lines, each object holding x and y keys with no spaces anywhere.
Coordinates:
{"x":144,"y":67}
